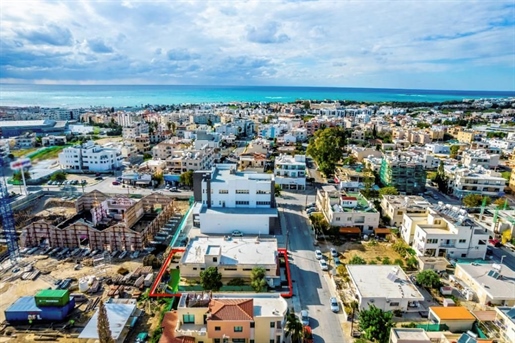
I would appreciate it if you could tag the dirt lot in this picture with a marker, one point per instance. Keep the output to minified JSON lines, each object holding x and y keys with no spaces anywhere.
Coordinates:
{"x":368,"y":251}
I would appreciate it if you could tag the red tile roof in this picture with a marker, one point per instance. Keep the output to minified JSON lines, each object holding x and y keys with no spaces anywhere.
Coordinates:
{"x":349,"y":198}
{"x":169,"y":324}
{"x":231,"y":309}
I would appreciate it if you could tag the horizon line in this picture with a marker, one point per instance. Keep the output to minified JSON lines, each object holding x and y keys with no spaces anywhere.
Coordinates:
{"x":254,"y":86}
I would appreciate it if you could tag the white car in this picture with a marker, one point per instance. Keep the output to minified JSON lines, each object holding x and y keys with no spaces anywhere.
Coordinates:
{"x":304,"y":317}
{"x":318,"y":254}
{"x":323,"y":265}
{"x":334,"y":253}
{"x":335,"y":307}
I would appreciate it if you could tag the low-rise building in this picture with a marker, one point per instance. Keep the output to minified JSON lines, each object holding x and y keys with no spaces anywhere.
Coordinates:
{"x":235,"y":257}
{"x":290,"y":171}
{"x":386,"y":287}
{"x":210,"y":318}
{"x":445,"y":231}
{"x":466,"y":136}
{"x":184,"y":160}
{"x":395,"y":206}
{"x":408,"y":335}
{"x":90,"y":157}
{"x":456,"y":318}
{"x":53,"y":140}
{"x":25,"y":141}
{"x":231,"y":200}
{"x":505,"y":320}
{"x":473,"y":158}
{"x":349,"y":210}
{"x":360,"y":153}
{"x":477,"y":180}
{"x":491,"y":284}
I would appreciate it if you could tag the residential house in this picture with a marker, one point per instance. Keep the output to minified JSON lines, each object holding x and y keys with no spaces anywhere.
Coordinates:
{"x":477,"y":180}
{"x":408,"y":335}
{"x":25,"y":141}
{"x":473,"y":158}
{"x":456,"y":318}
{"x":395,"y":206}
{"x":290,"y":171}
{"x":53,"y":140}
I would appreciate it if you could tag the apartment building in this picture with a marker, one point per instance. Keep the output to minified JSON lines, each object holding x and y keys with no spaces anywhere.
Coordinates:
{"x":229,"y":200}
{"x":207,"y":139}
{"x":473,"y":158}
{"x":222,"y":318}
{"x":405,"y":175}
{"x":25,"y":141}
{"x":235,"y":257}
{"x":254,"y":161}
{"x":506,"y":145}
{"x":124,"y":119}
{"x":360,"y":153}
{"x":478,"y":180}
{"x":395,"y":206}
{"x":444,"y":231}
{"x":505,"y":320}
{"x":142,"y":143}
{"x":5,"y":148}
{"x":419,"y":137}
{"x":53,"y":140}
{"x":164,"y":150}
{"x":290,"y":171}
{"x":439,"y":149}
{"x":349,"y":210}
{"x":134,"y":130}
{"x":90,"y":157}
{"x":184,"y":160}
{"x":466,"y":136}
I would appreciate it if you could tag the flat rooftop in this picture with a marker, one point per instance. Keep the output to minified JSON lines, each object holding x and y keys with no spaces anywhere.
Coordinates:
{"x":224,"y":174}
{"x":245,"y":210}
{"x":411,"y":201}
{"x":376,"y":281}
{"x":118,"y":315}
{"x":500,"y":287}
{"x":406,"y":334}
{"x":233,"y":251}
{"x":452,"y":313}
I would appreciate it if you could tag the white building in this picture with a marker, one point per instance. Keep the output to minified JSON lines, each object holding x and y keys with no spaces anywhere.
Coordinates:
{"x":505,"y":319}
{"x":235,"y":257}
{"x":386,"y":287}
{"x":445,"y":231}
{"x":506,"y":145}
{"x":478,"y":180}
{"x":290,"y":171}
{"x":4,"y":148}
{"x":230,"y":200}
{"x":136,"y":129}
{"x":349,"y":210}
{"x":491,"y":284}
{"x":90,"y":157}
{"x":473,"y":158}
{"x":395,"y":206}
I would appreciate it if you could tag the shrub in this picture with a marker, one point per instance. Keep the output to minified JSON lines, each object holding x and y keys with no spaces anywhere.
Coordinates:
{"x":236,"y":282}
{"x":123,"y":271}
{"x":386,"y":260}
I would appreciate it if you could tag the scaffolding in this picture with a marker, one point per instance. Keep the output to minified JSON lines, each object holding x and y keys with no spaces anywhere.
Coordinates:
{"x":6,"y":212}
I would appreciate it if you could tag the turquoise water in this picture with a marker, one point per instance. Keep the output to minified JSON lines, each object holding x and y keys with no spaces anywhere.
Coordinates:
{"x":120,"y":96}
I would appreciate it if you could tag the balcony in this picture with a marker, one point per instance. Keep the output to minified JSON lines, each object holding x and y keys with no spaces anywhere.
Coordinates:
{"x":191,"y":329}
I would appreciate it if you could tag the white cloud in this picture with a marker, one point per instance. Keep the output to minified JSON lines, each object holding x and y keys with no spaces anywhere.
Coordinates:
{"x":347,"y":43}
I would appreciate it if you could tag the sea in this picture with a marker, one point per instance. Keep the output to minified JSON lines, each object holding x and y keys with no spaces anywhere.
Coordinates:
{"x":86,"y":96}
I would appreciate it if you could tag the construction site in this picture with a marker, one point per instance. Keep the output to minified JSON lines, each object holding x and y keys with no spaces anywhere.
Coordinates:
{"x":96,"y":221}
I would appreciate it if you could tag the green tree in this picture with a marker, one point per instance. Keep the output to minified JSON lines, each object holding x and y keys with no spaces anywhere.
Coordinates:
{"x":376,"y":324}
{"x":104,"y":332}
{"x":399,"y":262}
{"x":294,"y":327}
{"x":277,"y":190}
{"x":357,"y":260}
{"x":454,"y":150}
{"x":368,"y":183}
{"x":327,"y":147}
{"x":17,"y":176}
{"x":386,"y":260}
{"x":428,"y":278}
{"x":388,"y":191}
{"x":158,"y":177}
{"x":319,"y":222}
{"x":349,"y":160}
{"x":257,"y":279}
{"x":211,"y":279}
{"x":475,"y":200}
{"x":502,"y":203}
{"x":441,"y":180}
{"x":412,"y":263}
{"x":186,"y":178}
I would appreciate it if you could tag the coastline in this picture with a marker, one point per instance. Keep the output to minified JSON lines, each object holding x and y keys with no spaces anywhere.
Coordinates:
{"x":84,"y":96}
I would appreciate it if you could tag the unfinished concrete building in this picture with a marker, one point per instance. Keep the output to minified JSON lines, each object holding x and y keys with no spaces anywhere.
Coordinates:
{"x":104,"y":223}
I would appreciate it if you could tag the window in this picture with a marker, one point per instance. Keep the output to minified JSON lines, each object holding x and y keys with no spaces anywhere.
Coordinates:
{"x":252,"y":325}
{"x":463,"y":255}
{"x":238,"y":329}
{"x":262,"y":202}
{"x":223,"y":191}
{"x":272,"y":341}
{"x":251,"y":341}
{"x":242,"y":191}
{"x":399,"y":213}
{"x":216,"y":340}
{"x":392,"y":304}
{"x":188,"y":318}
{"x":262,"y":192}
{"x":242,"y":202}
{"x":462,"y":241}
{"x":482,"y":242}
{"x":272,"y":324}
{"x":194,"y":268}
{"x":230,"y":268}
{"x":215,"y":259}
{"x":217,"y":328}
{"x":432,"y":241}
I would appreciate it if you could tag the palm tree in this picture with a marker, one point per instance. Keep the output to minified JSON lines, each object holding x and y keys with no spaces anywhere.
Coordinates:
{"x":294,"y":327}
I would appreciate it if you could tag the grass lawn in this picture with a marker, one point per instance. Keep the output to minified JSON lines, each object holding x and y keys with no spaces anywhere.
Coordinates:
{"x":22,"y":152}
{"x":175,"y":278}
{"x":46,"y":153}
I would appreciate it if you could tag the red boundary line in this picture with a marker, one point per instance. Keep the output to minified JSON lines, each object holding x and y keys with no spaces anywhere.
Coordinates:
{"x":166,"y":263}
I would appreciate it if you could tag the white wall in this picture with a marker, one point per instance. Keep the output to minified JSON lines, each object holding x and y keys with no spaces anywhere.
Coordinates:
{"x":221,"y":223}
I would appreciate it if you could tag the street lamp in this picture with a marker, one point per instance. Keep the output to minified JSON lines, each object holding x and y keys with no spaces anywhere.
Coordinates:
{"x":502,"y":258}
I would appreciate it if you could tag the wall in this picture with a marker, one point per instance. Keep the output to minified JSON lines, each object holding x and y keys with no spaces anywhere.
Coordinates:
{"x":263,"y":331}
{"x":220,"y":223}
{"x":383,"y":305}
{"x":227,"y":328}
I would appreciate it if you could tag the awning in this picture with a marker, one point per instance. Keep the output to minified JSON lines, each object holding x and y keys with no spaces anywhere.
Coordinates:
{"x":382,"y":231}
{"x":350,"y":230}
{"x":146,"y":182}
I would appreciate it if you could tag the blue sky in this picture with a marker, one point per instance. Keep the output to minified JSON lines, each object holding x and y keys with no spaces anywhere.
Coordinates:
{"x":394,"y":44}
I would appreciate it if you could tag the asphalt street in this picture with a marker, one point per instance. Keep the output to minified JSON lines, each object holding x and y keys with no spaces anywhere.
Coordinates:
{"x":311,"y":291}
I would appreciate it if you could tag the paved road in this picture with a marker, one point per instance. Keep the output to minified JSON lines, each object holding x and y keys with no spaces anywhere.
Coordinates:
{"x":311,"y":291}
{"x":509,"y":256}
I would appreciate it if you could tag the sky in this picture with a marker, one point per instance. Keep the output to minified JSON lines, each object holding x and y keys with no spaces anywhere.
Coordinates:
{"x":420,"y":44}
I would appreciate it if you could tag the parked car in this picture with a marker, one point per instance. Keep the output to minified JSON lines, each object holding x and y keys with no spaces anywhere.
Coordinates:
{"x":304,"y":317}
{"x":142,"y":337}
{"x":311,"y":210}
{"x":323,"y":265}
{"x":495,"y":242}
{"x":318,"y":254}
{"x":99,"y":178}
{"x":334,"y":253}
{"x":116,"y":183}
{"x":311,"y":205}
{"x":173,"y":189}
{"x":335,"y":307}
{"x":337,"y":262}
{"x":237,"y":233}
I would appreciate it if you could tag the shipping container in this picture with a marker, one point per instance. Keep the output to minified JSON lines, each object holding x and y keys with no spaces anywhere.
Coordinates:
{"x":25,"y":310}
{"x":52,"y":297}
